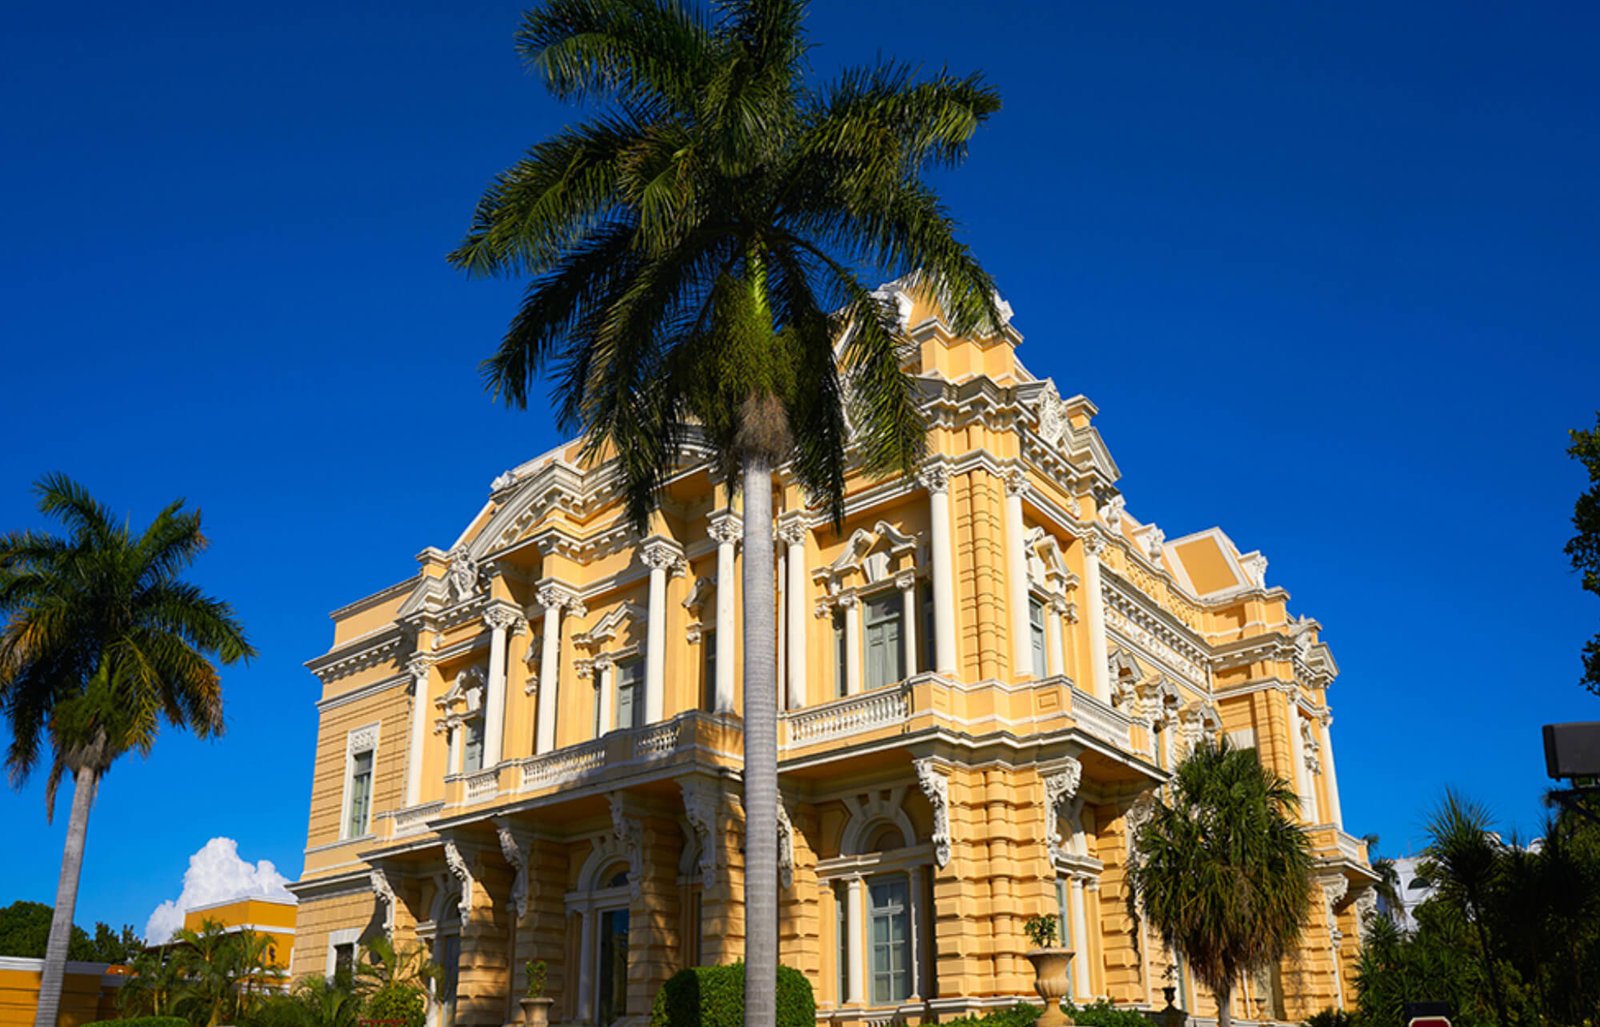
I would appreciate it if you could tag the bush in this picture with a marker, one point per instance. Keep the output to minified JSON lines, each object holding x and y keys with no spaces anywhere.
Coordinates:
{"x":396,"y":1004}
{"x":1330,"y":1017}
{"x":1019,"y":1015}
{"x":713,"y":996}
{"x":142,"y":1021}
{"x":1103,"y":1014}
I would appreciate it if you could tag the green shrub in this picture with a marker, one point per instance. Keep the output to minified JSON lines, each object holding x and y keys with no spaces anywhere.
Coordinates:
{"x":398,"y":1005}
{"x":142,"y":1021}
{"x":277,"y":1011}
{"x":1330,"y":1017}
{"x":713,"y":996}
{"x":1019,"y":1015}
{"x":1103,"y":1014}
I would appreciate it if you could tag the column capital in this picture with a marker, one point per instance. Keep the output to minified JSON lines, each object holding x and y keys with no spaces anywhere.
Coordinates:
{"x":418,"y":664}
{"x":663,"y":554}
{"x":935,"y":477}
{"x":845,"y":600}
{"x":1094,"y":543}
{"x":502,"y":617}
{"x":554,"y":595}
{"x":793,"y":527}
{"x":1016,"y":482}
{"x":905,"y":580}
{"x":725,"y":526}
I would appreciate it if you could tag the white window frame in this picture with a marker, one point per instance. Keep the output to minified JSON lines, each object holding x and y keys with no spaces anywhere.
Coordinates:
{"x":362,"y":740}
{"x":345,"y":936}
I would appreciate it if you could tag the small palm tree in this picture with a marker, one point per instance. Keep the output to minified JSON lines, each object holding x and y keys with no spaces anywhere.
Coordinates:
{"x":1387,"y":888}
{"x":1223,"y":872}
{"x":695,"y":253}
{"x":152,"y":983}
{"x":387,"y":966}
{"x":1462,"y":860}
{"x":101,"y":641}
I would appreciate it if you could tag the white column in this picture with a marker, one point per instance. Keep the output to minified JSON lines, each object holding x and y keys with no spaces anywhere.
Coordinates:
{"x":660,"y":556}
{"x":936,"y":480}
{"x":1052,"y":628}
{"x":855,"y":922}
{"x":727,"y":530}
{"x":453,"y":759}
{"x":1099,"y":653}
{"x":1297,"y":753}
{"x":500,"y":620}
{"x":915,"y":914}
{"x":1080,"y":945}
{"x":554,"y":599}
{"x":794,"y":536}
{"x":1335,"y":814}
{"x":906,"y":581}
{"x":1017,"y":575}
{"x":586,"y":964}
{"x":852,"y":642}
{"x":419,"y":667}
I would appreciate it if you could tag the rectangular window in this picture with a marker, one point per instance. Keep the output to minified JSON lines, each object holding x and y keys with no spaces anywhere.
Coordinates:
{"x":1036,"y":634}
{"x":925,"y":626}
{"x":360,"y":794}
{"x":708,"y":687}
{"x":612,"y":985}
{"x":890,"y":930}
{"x":630,"y":675}
{"x":472,"y":750}
{"x":344,"y":963}
{"x":841,"y":686}
{"x":885,"y":651}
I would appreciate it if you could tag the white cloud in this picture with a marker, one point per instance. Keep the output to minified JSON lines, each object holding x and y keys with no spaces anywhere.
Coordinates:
{"x":216,"y":874}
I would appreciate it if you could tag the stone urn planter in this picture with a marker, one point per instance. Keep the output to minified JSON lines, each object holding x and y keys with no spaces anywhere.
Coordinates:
{"x":536,"y":1011}
{"x":1050,"y":981}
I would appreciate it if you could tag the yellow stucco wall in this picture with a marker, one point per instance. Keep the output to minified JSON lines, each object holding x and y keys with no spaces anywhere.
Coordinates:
{"x":88,"y":992}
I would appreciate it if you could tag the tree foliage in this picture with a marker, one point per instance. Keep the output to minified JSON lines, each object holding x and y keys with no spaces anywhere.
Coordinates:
{"x":25,"y":928}
{"x":1511,"y":934}
{"x":1583,"y":549}
{"x":1222,"y":869}
{"x":695,"y":248}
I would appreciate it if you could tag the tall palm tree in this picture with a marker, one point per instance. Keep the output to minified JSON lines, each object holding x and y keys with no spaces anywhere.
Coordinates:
{"x":695,"y":252}
{"x":101,"y":640}
{"x":1223,"y":872}
{"x":1462,"y":859}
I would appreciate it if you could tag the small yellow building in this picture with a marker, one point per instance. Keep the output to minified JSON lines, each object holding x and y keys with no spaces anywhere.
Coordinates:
{"x":88,"y":992}
{"x":270,"y":919}
{"x":530,"y":749}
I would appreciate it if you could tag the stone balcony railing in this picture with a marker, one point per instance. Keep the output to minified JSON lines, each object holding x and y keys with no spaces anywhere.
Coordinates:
{"x":413,"y":819}
{"x":1330,"y":841}
{"x":851,"y":715}
{"x":1101,"y":720}
{"x":929,"y":700}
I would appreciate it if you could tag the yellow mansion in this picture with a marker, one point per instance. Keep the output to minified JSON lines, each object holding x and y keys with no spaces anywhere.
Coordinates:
{"x":530,"y":750}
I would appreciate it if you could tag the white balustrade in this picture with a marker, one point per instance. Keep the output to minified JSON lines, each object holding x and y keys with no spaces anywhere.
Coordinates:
{"x":414,"y":819}
{"x":1100,"y":719}
{"x":852,"y":715}
{"x":563,"y":765}
{"x":482,"y":785}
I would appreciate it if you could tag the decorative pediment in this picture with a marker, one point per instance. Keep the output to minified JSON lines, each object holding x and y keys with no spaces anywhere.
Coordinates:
{"x":1046,"y":568}
{"x":1080,"y":447}
{"x":875,"y":554}
{"x":523,"y":500}
{"x":462,"y":702}
{"x":618,"y":623}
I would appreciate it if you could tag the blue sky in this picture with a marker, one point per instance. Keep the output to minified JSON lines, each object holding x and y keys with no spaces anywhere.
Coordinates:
{"x":1328,"y":270}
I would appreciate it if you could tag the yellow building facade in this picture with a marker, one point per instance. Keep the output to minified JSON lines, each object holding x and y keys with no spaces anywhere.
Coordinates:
{"x":269,"y":919}
{"x":88,"y":992}
{"x":531,"y":748}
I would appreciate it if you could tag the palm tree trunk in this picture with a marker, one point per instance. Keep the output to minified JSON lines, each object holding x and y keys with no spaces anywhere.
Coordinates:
{"x":760,"y":750}
{"x":55,"y":953}
{"x":1225,"y":1006}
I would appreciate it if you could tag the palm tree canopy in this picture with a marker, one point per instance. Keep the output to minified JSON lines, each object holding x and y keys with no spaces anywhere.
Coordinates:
{"x":102,"y":639}
{"x":696,"y":248}
{"x":1222,"y":870}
